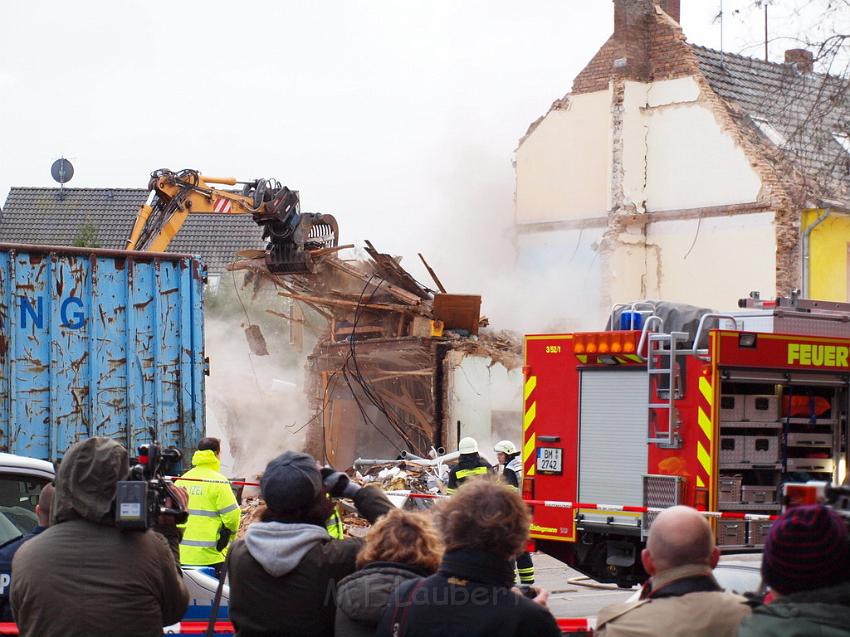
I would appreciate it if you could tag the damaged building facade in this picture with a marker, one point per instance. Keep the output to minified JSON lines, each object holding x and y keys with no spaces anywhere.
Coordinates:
{"x":400,"y":367}
{"x":679,"y":172}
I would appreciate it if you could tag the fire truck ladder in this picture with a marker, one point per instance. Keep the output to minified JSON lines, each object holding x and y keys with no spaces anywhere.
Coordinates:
{"x":661,"y":348}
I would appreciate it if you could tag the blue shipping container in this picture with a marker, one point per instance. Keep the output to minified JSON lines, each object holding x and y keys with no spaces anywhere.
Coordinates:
{"x":99,"y":343}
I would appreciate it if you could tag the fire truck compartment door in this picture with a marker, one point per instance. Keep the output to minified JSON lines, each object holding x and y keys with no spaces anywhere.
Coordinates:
{"x":612,"y":442}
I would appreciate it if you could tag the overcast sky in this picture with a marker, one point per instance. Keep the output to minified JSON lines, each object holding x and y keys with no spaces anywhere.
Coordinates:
{"x":398,"y":116}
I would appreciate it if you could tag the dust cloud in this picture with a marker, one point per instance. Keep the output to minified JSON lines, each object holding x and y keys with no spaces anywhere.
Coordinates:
{"x":255,"y":404}
{"x":541,"y":283}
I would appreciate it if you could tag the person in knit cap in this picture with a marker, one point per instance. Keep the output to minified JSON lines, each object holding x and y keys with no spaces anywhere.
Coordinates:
{"x":284,"y":572}
{"x":807,"y":566}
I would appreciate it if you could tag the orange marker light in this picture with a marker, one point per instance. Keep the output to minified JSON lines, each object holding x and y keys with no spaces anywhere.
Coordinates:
{"x":578,"y":345}
{"x":616,"y":344}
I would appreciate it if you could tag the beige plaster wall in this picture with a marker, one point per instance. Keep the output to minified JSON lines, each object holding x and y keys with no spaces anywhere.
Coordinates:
{"x":562,"y":167}
{"x":676,"y":155}
{"x":712,"y":262}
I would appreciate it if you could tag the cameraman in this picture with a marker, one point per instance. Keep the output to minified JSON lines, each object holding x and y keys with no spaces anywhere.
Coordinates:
{"x":84,"y":576}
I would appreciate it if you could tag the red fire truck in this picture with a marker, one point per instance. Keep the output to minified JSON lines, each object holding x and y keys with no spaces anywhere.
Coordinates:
{"x":716,"y":416}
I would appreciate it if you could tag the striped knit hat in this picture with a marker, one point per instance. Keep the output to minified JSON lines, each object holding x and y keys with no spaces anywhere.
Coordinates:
{"x":806,"y":549}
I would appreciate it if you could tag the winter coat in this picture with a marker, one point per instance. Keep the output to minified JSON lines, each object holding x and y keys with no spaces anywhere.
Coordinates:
{"x":362,"y":596}
{"x":283,"y":576}
{"x":470,"y":465}
{"x":82,"y":575}
{"x":212,"y":508}
{"x":470,"y":596}
{"x":824,"y":612}
{"x":683,"y":602}
{"x":512,"y":472}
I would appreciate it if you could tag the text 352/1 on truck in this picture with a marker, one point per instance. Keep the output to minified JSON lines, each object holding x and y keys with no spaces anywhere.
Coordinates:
{"x":680,"y":406}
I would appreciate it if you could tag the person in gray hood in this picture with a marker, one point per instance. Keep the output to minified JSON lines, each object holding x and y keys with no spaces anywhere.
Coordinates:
{"x":400,"y":547}
{"x":284,"y":572}
{"x":84,"y":576}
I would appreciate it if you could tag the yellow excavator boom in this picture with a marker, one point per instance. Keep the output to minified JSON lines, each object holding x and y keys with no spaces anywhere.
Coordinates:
{"x":291,"y":234}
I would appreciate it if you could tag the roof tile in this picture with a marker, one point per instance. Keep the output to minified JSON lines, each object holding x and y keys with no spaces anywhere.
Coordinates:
{"x":54,"y":216}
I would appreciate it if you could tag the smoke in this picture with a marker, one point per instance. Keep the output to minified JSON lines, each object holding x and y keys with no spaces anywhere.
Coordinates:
{"x":548,"y":282}
{"x":256,"y":404}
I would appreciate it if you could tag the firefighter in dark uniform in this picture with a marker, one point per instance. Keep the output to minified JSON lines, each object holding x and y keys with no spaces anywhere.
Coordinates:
{"x":468,"y":466}
{"x":508,"y":456}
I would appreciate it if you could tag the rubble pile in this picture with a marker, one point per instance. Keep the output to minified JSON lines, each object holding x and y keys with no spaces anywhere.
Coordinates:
{"x":395,"y":476}
{"x":250,"y":513}
{"x":376,"y":381}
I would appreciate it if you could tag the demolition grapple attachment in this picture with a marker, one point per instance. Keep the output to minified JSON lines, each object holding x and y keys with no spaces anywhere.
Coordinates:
{"x":293,"y":236}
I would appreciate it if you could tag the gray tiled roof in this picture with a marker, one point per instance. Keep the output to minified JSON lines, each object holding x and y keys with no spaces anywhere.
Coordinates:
{"x":53,"y":217}
{"x":806,"y":109}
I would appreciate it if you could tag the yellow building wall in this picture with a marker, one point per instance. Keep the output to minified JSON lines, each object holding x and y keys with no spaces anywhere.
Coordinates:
{"x":828,"y":250}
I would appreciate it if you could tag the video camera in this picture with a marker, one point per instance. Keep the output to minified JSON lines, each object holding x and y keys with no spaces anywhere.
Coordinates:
{"x":837,"y":497}
{"x":141,"y":499}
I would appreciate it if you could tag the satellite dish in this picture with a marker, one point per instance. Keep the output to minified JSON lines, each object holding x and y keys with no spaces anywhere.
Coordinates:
{"x":62,"y":170}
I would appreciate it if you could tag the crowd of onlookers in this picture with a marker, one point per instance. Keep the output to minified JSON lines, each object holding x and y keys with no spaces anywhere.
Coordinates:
{"x":448,"y":572}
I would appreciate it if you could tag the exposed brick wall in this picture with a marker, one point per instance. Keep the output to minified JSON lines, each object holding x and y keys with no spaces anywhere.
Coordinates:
{"x":650,"y":42}
{"x":669,"y":53}
{"x":671,"y":8}
{"x":596,"y":75}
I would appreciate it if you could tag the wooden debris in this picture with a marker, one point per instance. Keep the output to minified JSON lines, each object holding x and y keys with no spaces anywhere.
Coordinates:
{"x":375,"y":380}
{"x":433,"y":274}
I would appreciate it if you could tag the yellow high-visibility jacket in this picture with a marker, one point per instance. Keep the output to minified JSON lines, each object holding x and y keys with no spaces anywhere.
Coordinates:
{"x":211,"y":506}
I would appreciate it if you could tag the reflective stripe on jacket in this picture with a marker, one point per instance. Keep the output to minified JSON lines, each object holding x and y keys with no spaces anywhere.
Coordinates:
{"x":211,"y":506}
{"x":512,"y":472}
{"x":468,"y":466}
{"x":334,"y":526}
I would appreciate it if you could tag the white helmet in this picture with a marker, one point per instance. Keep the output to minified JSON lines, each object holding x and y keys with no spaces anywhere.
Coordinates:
{"x":506,"y":447}
{"x":467,"y":445}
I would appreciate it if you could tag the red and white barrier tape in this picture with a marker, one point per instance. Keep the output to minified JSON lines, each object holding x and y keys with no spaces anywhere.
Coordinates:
{"x":236,"y":482}
{"x":182,"y":628}
{"x":554,"y":504}
{"x":557,"y":504}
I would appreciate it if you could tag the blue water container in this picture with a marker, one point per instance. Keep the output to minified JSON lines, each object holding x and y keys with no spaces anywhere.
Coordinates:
{"x":631,"y":320}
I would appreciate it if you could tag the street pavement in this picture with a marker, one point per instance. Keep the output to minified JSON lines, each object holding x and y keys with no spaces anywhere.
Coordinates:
{"x":568,"y":597}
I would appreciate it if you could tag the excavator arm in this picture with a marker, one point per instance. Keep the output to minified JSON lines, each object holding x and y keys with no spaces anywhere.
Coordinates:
{"x":291,"y":234}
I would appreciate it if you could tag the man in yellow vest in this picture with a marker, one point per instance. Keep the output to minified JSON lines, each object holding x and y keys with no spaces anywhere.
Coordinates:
{"x":213,"y":511}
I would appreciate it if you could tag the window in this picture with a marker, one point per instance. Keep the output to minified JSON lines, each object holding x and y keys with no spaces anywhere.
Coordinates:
{"x":769,"y":131}
{"x":18,"y":497}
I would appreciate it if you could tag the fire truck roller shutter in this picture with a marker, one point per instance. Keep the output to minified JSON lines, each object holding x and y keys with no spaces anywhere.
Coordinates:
{"x":612,"y":441}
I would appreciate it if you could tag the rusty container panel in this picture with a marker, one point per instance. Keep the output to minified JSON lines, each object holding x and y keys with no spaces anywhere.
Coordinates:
{"x":99,"y":343}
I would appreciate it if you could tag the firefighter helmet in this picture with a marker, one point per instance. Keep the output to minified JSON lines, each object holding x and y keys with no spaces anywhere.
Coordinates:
{"x":506,"y":447}
{"x":467,"y":445}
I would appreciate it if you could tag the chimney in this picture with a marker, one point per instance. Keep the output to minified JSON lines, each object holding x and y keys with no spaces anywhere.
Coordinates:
{"x":803,"y":59}
{"x":671,"y":8}
{"x":632,"y":19}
